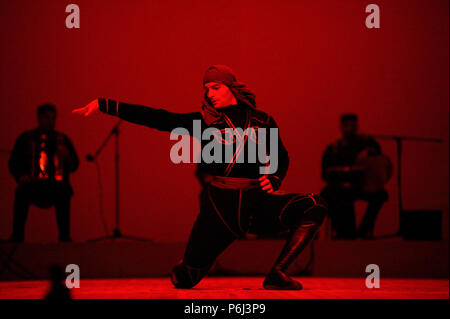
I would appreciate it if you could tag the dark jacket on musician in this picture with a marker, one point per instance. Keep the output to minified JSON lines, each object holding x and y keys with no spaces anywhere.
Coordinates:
{"x":35,"y":154}
{"x":341,"y":153}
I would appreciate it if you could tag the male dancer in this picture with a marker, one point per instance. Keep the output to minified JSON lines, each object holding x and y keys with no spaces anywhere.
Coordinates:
{"x":236,"y":198}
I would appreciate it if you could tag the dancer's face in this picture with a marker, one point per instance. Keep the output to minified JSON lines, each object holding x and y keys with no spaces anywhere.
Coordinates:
{"x":219,"y":94}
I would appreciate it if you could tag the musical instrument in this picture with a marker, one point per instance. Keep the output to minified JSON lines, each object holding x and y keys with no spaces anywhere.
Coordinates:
{"x":369,"y":173}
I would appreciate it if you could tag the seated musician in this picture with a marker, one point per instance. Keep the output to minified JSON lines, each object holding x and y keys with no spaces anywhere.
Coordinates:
{"x":354,"y":169}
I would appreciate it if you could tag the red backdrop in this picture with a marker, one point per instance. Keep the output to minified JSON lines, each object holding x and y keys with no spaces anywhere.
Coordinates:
{"x":307,"y":62}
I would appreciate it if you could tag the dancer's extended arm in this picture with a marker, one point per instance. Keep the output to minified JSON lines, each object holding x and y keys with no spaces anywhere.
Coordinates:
{"x":157,"y":118}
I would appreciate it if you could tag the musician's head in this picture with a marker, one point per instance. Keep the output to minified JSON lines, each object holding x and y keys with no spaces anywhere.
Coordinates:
{"x":217,"y":82}
{"x":46,"y":114}
{"x":349,"y":125}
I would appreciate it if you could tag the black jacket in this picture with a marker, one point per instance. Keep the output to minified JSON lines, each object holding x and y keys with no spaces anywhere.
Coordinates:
{"x":24,"y":158}
{"x":345,"y":154}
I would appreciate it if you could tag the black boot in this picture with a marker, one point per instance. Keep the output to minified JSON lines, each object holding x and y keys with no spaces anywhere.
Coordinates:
{"x":186,"y":277}
{"x":278,"y":280}
{"x":297,"y":241}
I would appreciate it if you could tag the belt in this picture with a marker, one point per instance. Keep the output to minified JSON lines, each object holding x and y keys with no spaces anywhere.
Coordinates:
{"x":232,"y":182}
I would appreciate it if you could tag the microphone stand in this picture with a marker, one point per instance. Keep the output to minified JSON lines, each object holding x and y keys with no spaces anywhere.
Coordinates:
{"x":399,"y":140}
{"x":117,"y":234}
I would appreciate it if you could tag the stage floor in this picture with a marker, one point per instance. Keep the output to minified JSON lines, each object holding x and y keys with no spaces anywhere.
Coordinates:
{"x":236,"y":288}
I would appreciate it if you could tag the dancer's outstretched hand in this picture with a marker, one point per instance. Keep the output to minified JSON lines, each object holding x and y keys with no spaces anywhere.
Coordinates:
{"x":265,"y":184}
{"x":88,"y":109}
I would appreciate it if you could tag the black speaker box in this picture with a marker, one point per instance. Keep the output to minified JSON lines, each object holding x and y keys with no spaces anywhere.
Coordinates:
{"x":421,"y":224}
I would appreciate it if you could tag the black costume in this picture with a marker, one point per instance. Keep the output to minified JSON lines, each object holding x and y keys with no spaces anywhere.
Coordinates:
{"x":232,"y":202}
{"x":35,"y":155}
{"x":343,"y":188}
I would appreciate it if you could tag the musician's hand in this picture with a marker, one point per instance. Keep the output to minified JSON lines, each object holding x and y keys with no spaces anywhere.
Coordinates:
{"x":265,"y":184}
{"x":88,"y":109}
